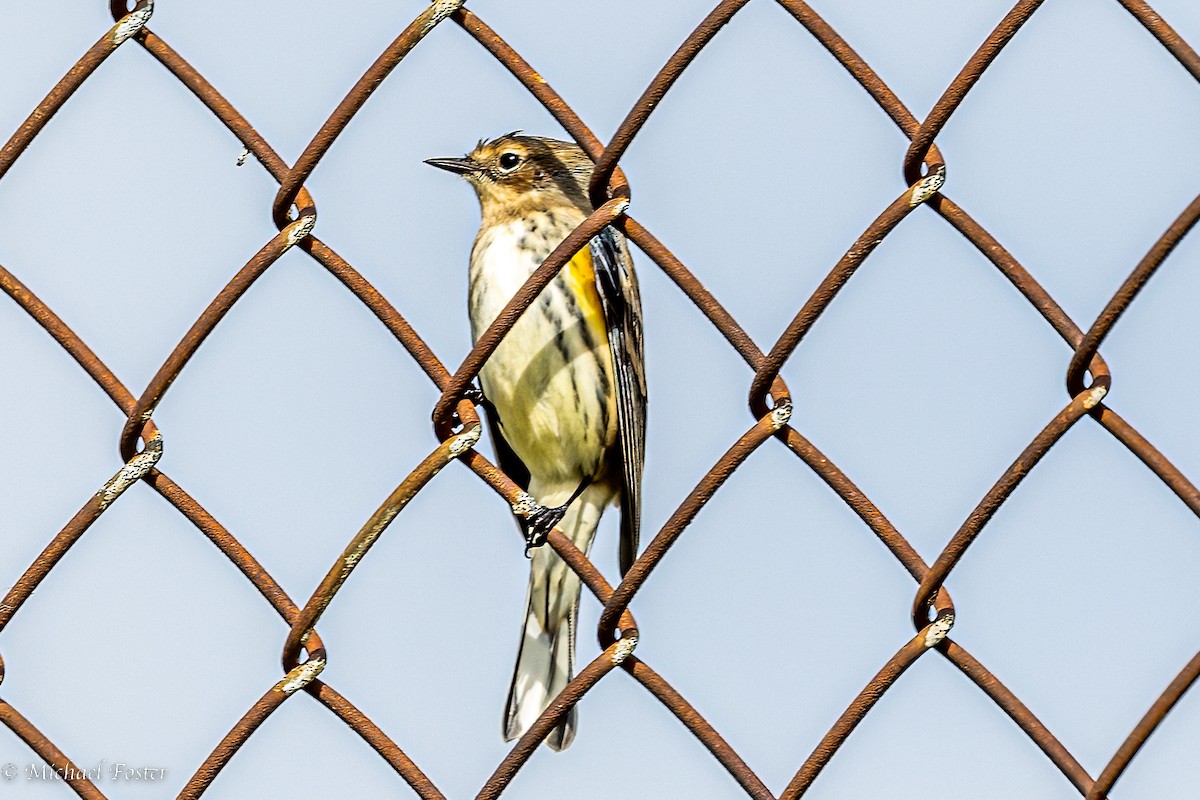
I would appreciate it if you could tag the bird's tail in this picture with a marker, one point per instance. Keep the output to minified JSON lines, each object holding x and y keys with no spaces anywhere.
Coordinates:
{"x":546,"y":659}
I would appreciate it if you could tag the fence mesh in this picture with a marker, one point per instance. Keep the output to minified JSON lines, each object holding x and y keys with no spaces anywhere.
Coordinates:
{"x":457,"y":427}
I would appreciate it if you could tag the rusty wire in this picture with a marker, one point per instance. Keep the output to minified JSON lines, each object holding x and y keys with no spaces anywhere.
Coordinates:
{"x":456,"y":423}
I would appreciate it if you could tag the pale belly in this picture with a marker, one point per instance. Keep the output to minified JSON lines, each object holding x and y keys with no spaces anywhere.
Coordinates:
{"x":550,"y":380}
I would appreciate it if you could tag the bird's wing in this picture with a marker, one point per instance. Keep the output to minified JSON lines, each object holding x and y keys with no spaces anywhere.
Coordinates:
{"x":618,"y":289}
{"x":506,"y":458}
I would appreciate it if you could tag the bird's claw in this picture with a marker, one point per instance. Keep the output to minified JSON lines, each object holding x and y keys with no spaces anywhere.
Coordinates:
{"x":540,"y":522}
{"x":475,"y":395}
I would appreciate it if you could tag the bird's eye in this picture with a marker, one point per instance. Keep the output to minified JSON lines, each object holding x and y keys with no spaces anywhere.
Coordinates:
{"x":509,"y":161}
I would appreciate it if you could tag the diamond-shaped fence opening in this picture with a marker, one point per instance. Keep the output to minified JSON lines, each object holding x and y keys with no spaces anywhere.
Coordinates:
{"x":769,"y":637}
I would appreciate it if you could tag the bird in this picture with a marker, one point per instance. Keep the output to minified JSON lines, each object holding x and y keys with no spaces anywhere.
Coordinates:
{"x":564,"y":392}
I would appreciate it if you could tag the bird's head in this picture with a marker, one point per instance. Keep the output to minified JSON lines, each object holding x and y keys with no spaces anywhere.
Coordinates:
{"x":513,"y":172}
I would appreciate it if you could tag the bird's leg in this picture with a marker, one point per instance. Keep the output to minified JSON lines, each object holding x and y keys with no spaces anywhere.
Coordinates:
{"x":541,"y":520}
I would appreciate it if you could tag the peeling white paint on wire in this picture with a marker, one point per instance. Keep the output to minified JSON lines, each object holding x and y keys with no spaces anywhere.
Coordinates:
{"x":300,"y":228}
{"x":133,"y":471}
{"x":464,"y":441}
{"x":939,"y":630}
{"x":525,"y":504}
{"x":439,"y":11}
{"x":781,"y":414}
{"x":928,"y":186}
{"x":132,"y":23}
{"x":301,"y":676}
{"x":1094,"y":397}
{"x":624,"y":649}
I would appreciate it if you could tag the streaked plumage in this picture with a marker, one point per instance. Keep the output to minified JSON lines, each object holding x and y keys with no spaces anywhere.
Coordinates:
{"x":565,"y":389}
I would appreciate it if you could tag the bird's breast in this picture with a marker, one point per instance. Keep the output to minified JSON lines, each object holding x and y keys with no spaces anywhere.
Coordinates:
{"x":551,"y":378}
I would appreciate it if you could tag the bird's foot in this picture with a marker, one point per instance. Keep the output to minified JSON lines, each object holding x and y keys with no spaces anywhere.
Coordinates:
{"x":540,"y":521}
{"x":474,"y":395}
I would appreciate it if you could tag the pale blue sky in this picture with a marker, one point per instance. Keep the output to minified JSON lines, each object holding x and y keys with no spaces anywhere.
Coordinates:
{"x":923,"y":381}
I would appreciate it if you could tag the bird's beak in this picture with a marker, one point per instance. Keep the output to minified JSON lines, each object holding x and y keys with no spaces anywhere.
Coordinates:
{"x":459,"y":166}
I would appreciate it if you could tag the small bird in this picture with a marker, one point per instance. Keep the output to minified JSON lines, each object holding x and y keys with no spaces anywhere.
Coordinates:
{"x":564,"y":392}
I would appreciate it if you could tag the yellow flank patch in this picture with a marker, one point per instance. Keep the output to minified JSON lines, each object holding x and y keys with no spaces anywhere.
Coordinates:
{"x":581,"y":278}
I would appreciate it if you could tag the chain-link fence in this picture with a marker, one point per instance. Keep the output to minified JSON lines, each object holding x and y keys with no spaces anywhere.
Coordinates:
{"x":457,"y":425}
